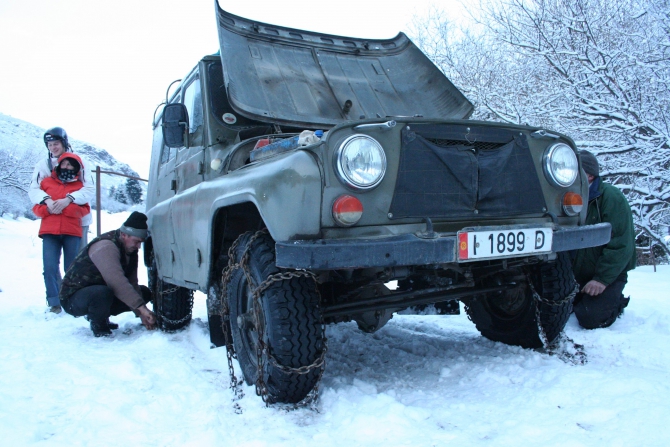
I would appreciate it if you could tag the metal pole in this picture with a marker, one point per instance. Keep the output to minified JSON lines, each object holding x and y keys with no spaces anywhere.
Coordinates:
{"x":98,"y":205}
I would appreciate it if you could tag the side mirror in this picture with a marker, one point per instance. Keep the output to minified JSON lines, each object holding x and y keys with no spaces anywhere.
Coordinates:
{"x":175,"y":125}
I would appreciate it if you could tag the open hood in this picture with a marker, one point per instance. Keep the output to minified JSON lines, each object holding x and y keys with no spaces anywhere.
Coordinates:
{"x":307,"y":79}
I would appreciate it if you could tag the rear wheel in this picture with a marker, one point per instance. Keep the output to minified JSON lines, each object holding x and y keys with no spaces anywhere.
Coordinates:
{"x":173,"y":305}
{"x":533,"y":313}
{"x":285,"y":320}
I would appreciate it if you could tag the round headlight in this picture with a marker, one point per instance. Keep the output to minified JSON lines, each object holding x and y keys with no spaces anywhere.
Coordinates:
{"x":361,"y":162}
{"x":560,"y":165}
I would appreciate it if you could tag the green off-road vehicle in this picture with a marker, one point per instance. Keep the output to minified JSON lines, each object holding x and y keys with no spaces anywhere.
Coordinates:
{"x":302,"y":179}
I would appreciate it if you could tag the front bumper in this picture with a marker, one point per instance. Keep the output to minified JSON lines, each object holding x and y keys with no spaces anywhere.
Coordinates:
{"x":408,"y":249}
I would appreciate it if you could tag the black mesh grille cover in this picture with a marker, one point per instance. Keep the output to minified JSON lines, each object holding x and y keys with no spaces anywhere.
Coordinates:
{"x":451,"y":171}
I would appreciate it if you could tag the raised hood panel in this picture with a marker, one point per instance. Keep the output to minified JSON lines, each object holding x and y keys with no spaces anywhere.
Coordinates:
{"x":302,"y":78}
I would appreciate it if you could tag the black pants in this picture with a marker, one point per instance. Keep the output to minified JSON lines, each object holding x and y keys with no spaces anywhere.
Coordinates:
{"x":601,"y":310}
{"x":98,"y":302}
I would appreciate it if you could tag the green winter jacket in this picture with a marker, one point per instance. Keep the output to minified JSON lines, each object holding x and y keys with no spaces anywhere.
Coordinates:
{"x":606,"y":262}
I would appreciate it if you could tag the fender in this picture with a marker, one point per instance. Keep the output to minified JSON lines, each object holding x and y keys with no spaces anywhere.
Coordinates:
{"x":285,"y":189}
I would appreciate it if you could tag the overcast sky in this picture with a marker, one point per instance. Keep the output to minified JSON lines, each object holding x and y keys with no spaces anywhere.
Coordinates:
{"x":100,"y":68}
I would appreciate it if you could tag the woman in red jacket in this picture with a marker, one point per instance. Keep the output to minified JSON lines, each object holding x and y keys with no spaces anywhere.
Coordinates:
{"x":60,"y":232}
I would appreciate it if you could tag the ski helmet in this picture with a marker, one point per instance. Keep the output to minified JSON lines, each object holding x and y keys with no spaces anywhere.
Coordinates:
{"x":56,"y":133}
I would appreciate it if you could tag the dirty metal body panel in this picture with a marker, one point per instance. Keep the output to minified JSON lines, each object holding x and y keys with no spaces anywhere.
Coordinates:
{"x":286,"y":187}
{"x":310,"y":79}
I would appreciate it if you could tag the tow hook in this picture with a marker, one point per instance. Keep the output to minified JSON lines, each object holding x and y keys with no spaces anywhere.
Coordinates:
{"x":429,"y":233}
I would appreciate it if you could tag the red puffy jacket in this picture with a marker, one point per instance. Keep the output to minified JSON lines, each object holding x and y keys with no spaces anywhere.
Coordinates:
{"x":69,"y":221}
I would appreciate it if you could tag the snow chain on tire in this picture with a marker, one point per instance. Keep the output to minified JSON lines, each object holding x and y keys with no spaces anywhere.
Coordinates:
{"x":578,"y":355}
{"x":225,"y":325}
{"x":541,"y":300}
{"x":262,"y":348}
{"x":177,"y":323}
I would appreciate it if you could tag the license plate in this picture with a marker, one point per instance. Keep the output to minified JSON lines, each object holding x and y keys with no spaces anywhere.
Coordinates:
{"x":503,"y":243}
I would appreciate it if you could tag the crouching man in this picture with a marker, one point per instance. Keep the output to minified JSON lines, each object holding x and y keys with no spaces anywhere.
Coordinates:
{"x":102,"y":280}
{"x":602,"y":271}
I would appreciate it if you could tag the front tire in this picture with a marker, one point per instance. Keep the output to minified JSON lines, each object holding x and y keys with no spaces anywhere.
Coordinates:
{"x":511,"y":316}
{"x":290,"y":319}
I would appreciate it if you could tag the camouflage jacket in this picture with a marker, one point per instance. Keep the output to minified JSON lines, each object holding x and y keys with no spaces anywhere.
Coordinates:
{"x":83,"y":273}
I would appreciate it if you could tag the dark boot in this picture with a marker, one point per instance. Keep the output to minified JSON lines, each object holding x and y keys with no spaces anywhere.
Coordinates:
{"x":110,"y":324}
{"x":100,"y":329}
{"x":624,"y":302}
{"x":55,"y":309}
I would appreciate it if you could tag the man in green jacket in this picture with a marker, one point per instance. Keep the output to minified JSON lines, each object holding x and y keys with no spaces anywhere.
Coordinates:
{"x":601,"y":272}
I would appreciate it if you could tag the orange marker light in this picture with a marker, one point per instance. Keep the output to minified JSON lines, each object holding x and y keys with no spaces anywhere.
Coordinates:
{"x":572,"y":203}
{"x":347,"y":210}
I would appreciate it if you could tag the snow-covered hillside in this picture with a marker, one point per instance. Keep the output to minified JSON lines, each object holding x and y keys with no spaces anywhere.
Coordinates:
{"x":23,"y":140}
{"x":420,"y":381}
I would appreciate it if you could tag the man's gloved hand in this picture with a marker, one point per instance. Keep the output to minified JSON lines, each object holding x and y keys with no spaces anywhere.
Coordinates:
{"x":148,"y":317}
{"x":594,"y":288}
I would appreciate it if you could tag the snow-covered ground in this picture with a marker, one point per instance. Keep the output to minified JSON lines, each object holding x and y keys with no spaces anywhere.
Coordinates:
{"x":419,"y":381}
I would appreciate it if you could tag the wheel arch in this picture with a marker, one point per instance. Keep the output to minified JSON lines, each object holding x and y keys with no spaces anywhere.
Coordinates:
{"x":228,"y":223}
{"x":148,"y":251}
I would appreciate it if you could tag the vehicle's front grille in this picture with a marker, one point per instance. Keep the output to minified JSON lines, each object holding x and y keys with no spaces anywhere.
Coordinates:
{"x":476,"y":145}
{"x":456,"y":172}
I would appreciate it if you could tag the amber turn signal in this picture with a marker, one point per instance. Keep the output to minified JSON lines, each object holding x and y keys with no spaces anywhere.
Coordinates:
{"x":347,"y":210}
{"x":572,"y":203}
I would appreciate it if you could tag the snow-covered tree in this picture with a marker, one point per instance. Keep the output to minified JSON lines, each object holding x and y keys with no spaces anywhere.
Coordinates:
{"x":118,"y":195}
{"x":133,"y":191}
{"x":598,"y":70}
{"x":14,"y":181}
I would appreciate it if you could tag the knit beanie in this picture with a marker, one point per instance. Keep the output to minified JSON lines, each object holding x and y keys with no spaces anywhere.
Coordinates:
{"x":589,"y":163}
{"x":135,"y":225}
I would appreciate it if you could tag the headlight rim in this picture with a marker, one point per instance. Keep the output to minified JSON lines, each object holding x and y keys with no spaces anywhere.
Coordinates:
{"x":550,"y":174}
{"x":339,"y":169}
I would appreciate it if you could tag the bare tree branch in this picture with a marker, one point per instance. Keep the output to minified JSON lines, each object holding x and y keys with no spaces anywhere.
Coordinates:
{"x":597,"y":70}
